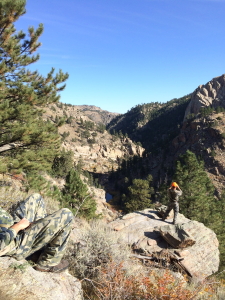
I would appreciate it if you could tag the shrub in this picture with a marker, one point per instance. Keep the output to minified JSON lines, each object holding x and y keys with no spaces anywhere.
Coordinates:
{"x":114,"y":283}
{"x":10,"y":197}
{"x":65,"y":135}
{"x":98,"y":246}
{"x":213,"y":153}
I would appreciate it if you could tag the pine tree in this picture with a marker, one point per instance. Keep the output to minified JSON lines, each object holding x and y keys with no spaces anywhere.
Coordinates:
{"x":62,"y":163}
{"x":217,"y":224}
{"x":198,"y":192}
{"x":26,"y":140}
{"x":139,"y":194}
{"x":76,"y":196}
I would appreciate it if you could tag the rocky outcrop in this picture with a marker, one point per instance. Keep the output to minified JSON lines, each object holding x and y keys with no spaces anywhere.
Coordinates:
{"x":96,"y":114}
{"x":19,"y":281}
{"x":210,"y":94}
{"x":104,"y":154}
{"x":143,"y":231}
{"x":87,"y":138}
{"x":105,"y":151}
{"x":103,"y":208}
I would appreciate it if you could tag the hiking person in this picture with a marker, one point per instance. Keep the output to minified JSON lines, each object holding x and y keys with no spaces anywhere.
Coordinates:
{"x":29,"y":229}
{"x":174,"y":192}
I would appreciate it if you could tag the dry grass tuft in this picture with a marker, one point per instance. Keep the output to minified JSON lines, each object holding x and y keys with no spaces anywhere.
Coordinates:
{"x":10,"y":197}
{"x":98,"y":245}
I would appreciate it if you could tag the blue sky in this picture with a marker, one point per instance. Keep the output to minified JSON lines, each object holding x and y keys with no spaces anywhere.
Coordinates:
{"x":120,"y":53}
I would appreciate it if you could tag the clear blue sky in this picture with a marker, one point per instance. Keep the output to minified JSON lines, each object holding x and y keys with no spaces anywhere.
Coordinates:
{"x":120,"y":53}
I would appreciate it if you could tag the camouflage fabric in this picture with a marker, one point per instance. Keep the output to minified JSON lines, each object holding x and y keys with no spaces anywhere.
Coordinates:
{"x":7,"y":235}
{"x":50,"y":233}
{"x":174,"y":194}
{"x":7,"y":240}
{"x":175,"y":206}
{"x":5,"y":219}
{"x":33,"y":209}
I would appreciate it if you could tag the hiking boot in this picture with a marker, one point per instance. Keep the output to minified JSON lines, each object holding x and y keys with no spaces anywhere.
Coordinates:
{"x":62,"y":266}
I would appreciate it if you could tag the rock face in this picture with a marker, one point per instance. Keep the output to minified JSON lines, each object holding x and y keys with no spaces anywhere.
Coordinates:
{"x":89,"y":141}
{"x":19,"y":281}
{"x":212,"y":93}
{"x":96,"y":114}
{"x":102,"y":206}
{"x":142,"y":229}
{"x":103,"y":154}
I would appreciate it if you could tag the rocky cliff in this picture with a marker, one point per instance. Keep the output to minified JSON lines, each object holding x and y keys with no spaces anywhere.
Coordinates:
{"x":205,"y":136}
{"x":96,"y":114}
{"x":89,"y":141}
{"x":211,"y":94}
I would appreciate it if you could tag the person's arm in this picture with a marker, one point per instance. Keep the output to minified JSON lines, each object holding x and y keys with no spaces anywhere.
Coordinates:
{"x":22,"y":224}
{"x":179,"y":190}
{"x":9,"y":234}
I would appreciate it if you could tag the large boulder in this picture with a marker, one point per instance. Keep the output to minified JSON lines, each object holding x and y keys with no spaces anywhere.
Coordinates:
{"x":18,"y":280}
{"x":195,"y":246}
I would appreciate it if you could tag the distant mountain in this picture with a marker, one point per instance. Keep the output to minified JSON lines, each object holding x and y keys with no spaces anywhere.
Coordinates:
{"x":152,"y":124}
{"x":96,"y":114}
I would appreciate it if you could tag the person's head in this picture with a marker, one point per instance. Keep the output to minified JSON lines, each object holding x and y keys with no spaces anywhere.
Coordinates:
{"x":174,"y":185}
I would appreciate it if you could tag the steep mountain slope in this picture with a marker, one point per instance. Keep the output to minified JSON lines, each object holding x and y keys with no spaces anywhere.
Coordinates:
{"x":152,"y":124}
{"x":195,"y":122}
{"x":205,"y":136}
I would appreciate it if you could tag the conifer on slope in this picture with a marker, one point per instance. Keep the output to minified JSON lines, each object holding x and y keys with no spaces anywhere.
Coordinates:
{"x":26,"y":141}
{"x":76,"y":196}
{"x":198,"y":192}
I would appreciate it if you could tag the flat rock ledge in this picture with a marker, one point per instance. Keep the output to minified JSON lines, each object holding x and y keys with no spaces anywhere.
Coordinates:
{"x":143,"y":231}
{"x":19,"y":281}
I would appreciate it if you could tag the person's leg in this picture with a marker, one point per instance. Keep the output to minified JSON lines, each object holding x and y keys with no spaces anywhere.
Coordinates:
{"x":33,"y":209}
{"x":169,"y":208}
{"x":52,"y":233}
{"x":176,"y":210}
